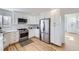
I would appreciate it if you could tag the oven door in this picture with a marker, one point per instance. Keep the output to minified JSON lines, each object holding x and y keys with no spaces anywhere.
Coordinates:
{"x":23,"y":36}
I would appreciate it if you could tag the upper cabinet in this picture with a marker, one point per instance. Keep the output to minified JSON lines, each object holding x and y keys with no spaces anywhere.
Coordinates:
{"x":33,"y":20}
{"x":6,"y":21}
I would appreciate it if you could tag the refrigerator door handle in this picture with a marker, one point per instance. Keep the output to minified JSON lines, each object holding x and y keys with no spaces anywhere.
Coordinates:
{"x":43,"y":26}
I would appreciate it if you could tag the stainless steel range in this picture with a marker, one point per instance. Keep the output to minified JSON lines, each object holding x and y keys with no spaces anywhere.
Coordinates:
{"x":23,"y":34}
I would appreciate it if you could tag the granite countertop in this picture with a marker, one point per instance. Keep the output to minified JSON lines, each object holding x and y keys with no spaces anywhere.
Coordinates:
{"x":8,"y":30}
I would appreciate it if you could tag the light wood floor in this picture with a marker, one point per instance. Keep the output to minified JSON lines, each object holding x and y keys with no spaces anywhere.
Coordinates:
{"x":71,"y":44}
{"x":34,"y":45}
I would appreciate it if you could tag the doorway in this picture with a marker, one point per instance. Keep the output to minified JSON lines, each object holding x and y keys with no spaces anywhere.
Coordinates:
{"x":72,"y":31}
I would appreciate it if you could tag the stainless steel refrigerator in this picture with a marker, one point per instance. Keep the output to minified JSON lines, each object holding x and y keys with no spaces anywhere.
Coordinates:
{"x":45,"y":30}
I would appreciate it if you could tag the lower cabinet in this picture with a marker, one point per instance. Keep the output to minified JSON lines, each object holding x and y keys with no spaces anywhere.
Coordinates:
{"x":1,"y":43}
{"x":14,"y":37}
{"x":34,"y":32}
{"x":6,"y":40}
{"x":10,"y":38}
{"x":31,"y":33}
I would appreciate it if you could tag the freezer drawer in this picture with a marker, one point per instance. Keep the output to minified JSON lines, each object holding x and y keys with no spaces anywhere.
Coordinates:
{"x":45,"y":37}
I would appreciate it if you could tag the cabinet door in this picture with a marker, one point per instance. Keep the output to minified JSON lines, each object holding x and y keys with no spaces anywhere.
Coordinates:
{"x":7,"y":37}
{"x":14,"y":37}
{"x":1,"y":44}
{"x":36,"y":33}
{"x":31,"y":33}
{"x":33,"y":20}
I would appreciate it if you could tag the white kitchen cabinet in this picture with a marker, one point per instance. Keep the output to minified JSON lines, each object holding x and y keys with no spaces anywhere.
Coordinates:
{"x":34,"y":20}
{"x":6,"y":39}
{"x":14,"y":37}
{"x":10,"y":38}
{"x":1,"y":45}
{"x":36,"y":33}
{"x":1,"y":42}
{"x":31,"y":33}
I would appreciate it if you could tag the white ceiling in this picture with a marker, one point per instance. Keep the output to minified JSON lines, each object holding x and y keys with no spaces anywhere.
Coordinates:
{"x":35,"y":11}
{"x":70,"y":10}
{"x":29,"y":10}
